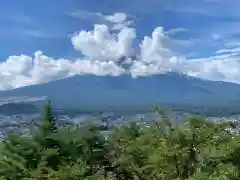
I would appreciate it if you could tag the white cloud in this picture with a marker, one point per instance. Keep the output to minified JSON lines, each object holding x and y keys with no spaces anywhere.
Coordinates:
{"x":18,"y":71}
{"x":220,"y":68}
{"x":103,"y":50}
{"x":120,"y":26}
{"x":116,"y":18}
{"x":234,"y":50}
{"x":80,"y":14}
{"x":176,"y":30}
{"x":100,"y":44}
{"x":119,"y":20}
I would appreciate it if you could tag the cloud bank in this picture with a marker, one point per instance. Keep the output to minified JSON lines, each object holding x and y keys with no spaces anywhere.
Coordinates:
{"x":111,"y":52}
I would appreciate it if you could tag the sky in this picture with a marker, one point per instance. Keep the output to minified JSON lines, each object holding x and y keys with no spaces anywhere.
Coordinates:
{"x":43,"y":41}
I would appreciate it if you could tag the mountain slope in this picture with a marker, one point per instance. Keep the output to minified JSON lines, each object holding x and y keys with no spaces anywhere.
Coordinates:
{"x":95,"y":91}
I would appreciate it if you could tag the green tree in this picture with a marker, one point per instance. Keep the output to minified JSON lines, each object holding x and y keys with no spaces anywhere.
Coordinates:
{"x":48,"y":125}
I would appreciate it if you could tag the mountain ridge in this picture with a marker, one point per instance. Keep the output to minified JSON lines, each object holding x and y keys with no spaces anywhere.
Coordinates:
{"x":124,"y":90}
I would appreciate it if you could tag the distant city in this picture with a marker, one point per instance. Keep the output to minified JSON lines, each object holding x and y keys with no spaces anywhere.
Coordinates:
{"x":22,"y":123}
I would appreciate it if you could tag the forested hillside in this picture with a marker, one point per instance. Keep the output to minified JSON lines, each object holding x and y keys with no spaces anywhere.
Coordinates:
{"x":195,"y":150}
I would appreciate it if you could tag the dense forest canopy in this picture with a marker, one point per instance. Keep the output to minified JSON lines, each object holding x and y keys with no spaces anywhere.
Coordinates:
{"x":195,"y":150}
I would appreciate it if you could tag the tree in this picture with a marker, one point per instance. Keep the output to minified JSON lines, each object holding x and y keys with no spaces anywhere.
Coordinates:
{"x":197,"y":149}
{"x":49,"y":125}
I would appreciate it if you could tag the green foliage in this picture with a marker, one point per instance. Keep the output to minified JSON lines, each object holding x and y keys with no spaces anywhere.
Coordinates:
{"x":48,"y":124}
{"x":195,"y":150}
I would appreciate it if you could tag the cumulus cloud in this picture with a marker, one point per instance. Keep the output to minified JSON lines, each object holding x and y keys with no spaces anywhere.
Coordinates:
{"x":108,"y":52}
{"x":119,"y":20}
{"x":23,"y":70}
{"x":100,"y":44}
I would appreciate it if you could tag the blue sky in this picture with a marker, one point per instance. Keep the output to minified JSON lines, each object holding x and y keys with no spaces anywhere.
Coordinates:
{"x":197,"y":29}
{"x":33,"y":25}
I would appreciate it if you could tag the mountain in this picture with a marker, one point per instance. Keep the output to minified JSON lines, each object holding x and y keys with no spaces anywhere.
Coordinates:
{"x":107,"y":91}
